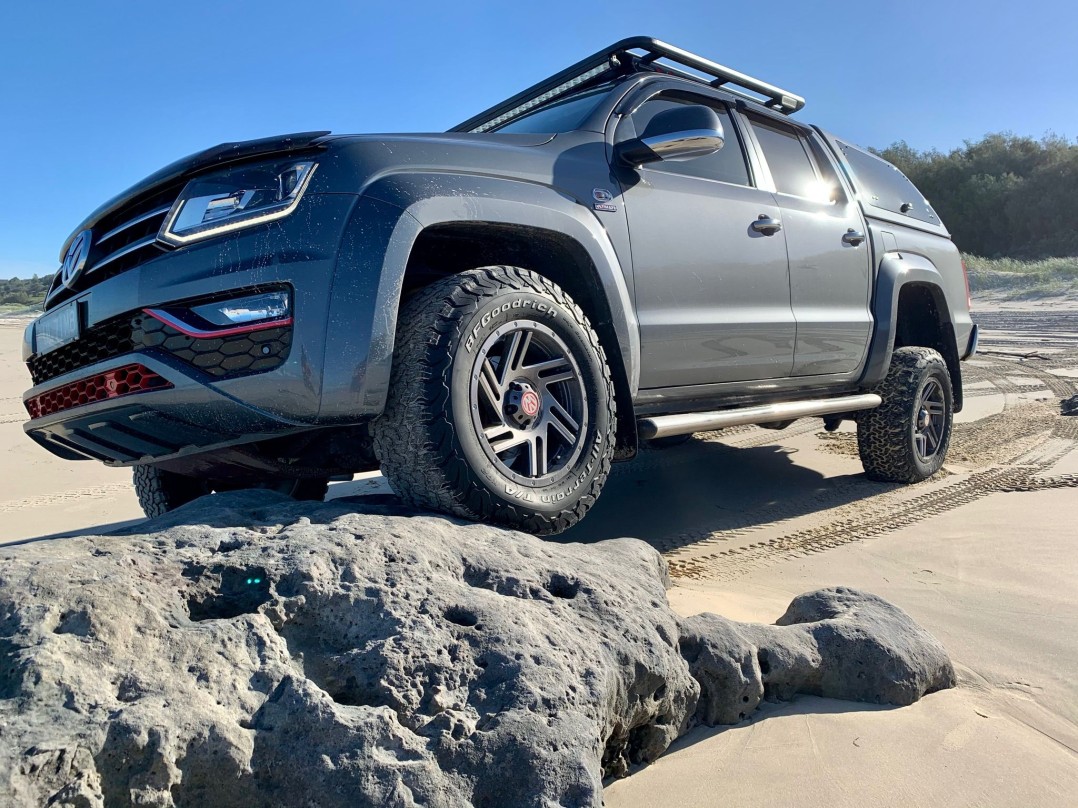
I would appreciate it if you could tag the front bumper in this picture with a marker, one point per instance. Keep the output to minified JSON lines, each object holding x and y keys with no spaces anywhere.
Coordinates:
{"x":200,"y":409}
{"x":188,"y":417}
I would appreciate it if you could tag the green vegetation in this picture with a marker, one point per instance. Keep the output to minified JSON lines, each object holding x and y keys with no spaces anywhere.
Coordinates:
{"x":23,"y":294}
{"x":1002,"y":195}
{"x":1012,"y":198}
{"x":1015,"y":278}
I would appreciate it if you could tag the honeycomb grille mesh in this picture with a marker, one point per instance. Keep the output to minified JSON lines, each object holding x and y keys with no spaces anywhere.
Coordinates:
{"x":115,"y":383}
{"x":220,"y":357}
{"x":252,"y":352}
{"x":104,"y":341}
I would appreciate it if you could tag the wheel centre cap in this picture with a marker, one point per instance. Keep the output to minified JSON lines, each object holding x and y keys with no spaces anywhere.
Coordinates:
{"x":923,"y":418}
{"x":522,"y":403}
{"x":529,"y":403}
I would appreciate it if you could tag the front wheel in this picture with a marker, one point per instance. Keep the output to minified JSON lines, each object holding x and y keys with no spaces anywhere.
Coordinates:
{"x":162,"y":491}
{"x":500,"y":406}
{"x":905,"y":439}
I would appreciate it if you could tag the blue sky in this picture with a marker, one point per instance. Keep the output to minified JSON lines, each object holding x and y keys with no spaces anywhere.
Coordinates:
{"x":98,"y":93}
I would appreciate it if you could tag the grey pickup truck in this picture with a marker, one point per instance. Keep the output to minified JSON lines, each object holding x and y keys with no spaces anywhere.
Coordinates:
{"x":645,"y":245}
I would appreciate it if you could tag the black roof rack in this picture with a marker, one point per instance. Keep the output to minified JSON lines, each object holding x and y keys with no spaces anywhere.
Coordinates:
{"x":623,"y":58}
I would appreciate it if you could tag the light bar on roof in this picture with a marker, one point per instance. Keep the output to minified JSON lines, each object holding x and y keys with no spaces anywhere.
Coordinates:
{"x":619,"y":59}
{"x":539,"y":100}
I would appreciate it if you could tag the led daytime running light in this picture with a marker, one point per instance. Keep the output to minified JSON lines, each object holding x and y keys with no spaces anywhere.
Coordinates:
{"x":224,"y":210}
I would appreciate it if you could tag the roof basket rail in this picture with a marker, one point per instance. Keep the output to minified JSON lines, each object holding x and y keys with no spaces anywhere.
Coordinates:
{"x":623,"y":58}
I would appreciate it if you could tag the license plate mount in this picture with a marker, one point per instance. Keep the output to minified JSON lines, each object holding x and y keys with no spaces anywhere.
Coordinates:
{"x":57,"y":328}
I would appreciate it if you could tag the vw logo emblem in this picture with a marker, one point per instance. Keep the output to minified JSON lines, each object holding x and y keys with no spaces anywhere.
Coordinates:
{"x":529,"y":402}
{"x":75,"y":259}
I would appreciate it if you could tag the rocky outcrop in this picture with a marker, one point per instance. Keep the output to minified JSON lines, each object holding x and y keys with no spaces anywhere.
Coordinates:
{"x":839,"y":643}
{"x":247,"y":650}
{"x":250,"y":650}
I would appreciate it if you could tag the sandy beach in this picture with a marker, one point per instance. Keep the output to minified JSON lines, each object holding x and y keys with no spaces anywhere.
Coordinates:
{"x":984,"y":556}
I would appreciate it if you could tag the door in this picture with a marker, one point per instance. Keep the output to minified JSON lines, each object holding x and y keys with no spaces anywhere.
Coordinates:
{"x":712,"y":293}
{"x":830,"y":265}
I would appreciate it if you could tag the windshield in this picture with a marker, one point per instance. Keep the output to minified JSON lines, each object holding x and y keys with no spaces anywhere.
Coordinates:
{"x":563,"y":115}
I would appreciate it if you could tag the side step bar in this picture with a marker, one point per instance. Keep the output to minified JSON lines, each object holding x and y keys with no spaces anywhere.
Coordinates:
{"x":660,"y":426}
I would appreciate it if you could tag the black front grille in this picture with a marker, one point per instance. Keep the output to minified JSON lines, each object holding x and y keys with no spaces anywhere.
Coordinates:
{"x":221,"y":357}
{"x":122,"y":240}
{"x":127,"y":238}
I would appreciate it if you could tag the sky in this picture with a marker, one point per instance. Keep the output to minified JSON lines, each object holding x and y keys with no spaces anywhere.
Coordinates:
{"x":96,"y":94}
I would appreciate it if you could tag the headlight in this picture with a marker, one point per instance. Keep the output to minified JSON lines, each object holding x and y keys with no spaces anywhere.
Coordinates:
{"x":214,"y":205}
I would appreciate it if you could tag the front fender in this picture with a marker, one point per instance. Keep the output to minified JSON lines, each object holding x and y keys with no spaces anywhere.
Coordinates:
{"x":379,"y":238}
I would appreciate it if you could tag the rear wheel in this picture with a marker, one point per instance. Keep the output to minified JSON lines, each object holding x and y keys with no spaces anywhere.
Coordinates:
{"x":500,"y":405}
{"x":906,"y":438}
{"x":162,"y":491}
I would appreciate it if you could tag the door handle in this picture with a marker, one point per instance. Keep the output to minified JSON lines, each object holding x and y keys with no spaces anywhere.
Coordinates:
{"x":853,"y":237}
{"x":766,"y":225}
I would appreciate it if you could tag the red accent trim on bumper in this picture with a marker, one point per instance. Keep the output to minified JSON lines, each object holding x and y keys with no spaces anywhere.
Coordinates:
{"x":112,"y":384}
{"x":191,"y":331}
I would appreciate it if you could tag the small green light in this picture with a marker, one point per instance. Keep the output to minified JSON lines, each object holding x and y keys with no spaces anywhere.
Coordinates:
{"x":258,"y":580}
{"x":250,"y":581}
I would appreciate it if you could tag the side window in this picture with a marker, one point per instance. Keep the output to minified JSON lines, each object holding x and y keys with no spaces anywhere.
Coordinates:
{"x":832,"y":186}
{"x":726,"y":165}
{"x":787,"y":156}
{"x":886,"y":187}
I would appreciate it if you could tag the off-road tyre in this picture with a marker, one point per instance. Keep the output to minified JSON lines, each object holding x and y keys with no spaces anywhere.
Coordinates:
{"x":887,"y":436}
{"x":162,"y":491}
{"x":429,"y":438}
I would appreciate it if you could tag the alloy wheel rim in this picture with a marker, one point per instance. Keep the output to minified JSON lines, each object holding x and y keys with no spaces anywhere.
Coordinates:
{"x":528,"y":404}
{"x":929,"y":420}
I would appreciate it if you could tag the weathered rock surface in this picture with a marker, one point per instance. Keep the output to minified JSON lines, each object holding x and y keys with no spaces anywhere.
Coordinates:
{"x":249,"y":650}
{"x":322,"y":657}
{"x":839,"y":643}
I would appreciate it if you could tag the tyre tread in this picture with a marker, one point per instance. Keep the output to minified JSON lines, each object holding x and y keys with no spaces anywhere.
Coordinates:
{"x":883,"y":433}
{"x":415,"y":437}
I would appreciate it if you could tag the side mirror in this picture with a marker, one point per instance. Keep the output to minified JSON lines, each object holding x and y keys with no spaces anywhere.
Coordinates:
{"x":682,"y":133}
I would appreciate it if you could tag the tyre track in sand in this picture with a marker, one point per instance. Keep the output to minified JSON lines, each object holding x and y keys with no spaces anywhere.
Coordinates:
{"x":863,"y":521}
{"x":1010,"y":451}
{"x":64,"y":497}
